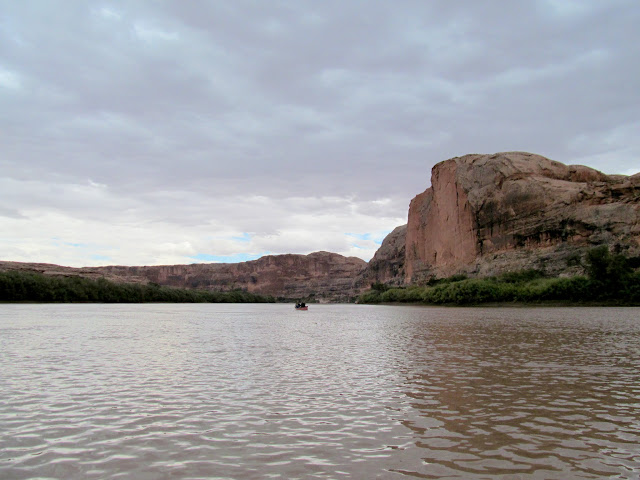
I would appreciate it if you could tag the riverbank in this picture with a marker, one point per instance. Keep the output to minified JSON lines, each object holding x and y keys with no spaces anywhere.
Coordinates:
{"x":16,"y":286}
{"x":498,"y":305}
{"x":529,"y":287}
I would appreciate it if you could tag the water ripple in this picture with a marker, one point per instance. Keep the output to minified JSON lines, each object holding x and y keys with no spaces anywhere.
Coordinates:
{"x":262,"y":391}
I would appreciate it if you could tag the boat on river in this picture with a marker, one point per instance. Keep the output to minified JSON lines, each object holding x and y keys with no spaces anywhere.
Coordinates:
{"x":301,"y":306}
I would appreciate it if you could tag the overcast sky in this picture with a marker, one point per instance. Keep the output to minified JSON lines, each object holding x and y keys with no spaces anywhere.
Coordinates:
{"x":158,"y":132}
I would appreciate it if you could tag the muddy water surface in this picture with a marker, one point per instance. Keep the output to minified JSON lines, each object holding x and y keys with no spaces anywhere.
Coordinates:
{"x":339,"y":391}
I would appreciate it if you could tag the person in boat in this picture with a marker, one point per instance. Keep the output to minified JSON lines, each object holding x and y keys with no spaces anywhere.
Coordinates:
{"x":300,"y":305}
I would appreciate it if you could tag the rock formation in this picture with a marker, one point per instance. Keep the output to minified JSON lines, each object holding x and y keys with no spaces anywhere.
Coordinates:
{"x":387,"y":265}
{"x":482,"y":215}
{"x":485,"y":214}
{"x":323,"y":276}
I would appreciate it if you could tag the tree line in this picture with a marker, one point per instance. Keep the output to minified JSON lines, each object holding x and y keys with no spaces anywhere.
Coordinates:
{"x":17,"y":286}
{"x":610,"y":279}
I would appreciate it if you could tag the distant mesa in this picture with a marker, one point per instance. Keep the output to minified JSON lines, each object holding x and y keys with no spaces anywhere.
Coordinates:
{"x":483,"y":215}
{"x":319,"y":276}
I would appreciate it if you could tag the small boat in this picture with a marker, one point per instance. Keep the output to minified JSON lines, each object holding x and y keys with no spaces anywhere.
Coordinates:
{"x":301,"y":306}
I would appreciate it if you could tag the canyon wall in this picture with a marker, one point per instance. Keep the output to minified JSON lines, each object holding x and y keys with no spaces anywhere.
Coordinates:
{"x":486,"y":214}
{"x":482,"y":215}
{"x":323,"y":276}
{"x":387,"y":265}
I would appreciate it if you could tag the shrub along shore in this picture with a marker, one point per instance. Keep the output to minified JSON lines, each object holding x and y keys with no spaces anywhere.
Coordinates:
{"x":610,"y":280}
{"x":16,"y":286}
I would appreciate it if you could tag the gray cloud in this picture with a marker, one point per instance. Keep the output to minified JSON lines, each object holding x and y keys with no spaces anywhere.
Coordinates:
{"x":188,"y":116}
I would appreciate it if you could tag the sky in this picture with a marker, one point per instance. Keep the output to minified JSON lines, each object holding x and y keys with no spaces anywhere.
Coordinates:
{"x":172,"y":132}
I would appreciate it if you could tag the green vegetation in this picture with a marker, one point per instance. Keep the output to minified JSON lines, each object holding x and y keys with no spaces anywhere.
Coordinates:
{"x":611,"y":279}
{"x":22,"y":286}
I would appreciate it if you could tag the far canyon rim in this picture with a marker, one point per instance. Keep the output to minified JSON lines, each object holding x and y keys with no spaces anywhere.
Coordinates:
{"x":482,"y":215}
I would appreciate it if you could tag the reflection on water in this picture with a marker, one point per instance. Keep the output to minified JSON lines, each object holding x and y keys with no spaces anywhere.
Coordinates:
{"x":548,"y":393}
{"x":340,"y":391}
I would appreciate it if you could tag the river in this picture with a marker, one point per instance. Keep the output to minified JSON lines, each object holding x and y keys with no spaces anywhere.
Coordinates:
{"x":341,"y":391}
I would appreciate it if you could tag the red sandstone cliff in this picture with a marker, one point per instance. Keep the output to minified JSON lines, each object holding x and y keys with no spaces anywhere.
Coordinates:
{"x":327,"y":277}
{"x":387,"y":265}
{"x":482,"y":215}
{"x":323,"y":275}
{"x":485,"y":214}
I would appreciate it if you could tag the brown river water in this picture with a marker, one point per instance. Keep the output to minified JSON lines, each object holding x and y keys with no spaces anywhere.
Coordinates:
{"x":340,"y":391}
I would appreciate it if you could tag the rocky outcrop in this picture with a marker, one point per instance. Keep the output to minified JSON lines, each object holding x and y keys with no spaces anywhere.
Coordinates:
{"x":323,"y":276}
{"x":485,"y":214}
{"x":482,"y":215}
{"x":387,"y":265}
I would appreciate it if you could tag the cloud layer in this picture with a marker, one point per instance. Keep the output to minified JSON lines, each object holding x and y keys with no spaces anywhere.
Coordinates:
{"x":177,"y":132}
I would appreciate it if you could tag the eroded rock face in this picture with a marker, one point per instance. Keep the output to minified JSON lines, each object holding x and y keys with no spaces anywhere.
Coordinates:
{"x":440,"y":231}
{"x":387,"y":265}
{"x":485,"y":214}
{"x":327,"y":277}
